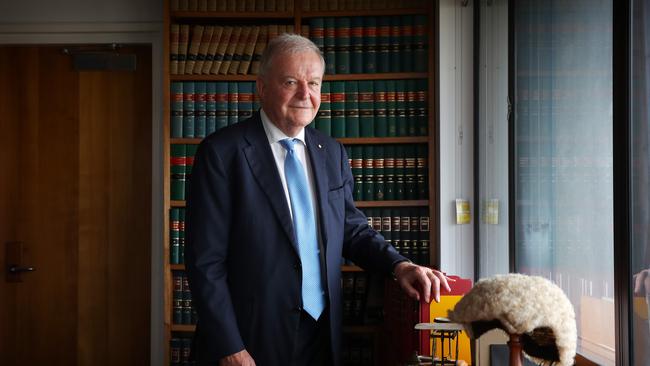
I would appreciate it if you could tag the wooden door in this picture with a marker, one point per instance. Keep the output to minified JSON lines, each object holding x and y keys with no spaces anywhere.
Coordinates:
{"x":75,"y":193}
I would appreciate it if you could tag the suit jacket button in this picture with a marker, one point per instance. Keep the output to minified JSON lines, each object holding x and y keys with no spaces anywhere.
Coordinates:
{"x":298,"y":309}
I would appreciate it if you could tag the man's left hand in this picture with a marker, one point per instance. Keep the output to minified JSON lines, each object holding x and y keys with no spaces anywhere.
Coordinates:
{"x":420,"y":282}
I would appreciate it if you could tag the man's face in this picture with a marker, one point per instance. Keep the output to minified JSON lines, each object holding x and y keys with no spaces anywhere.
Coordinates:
{"x":290,"y":92}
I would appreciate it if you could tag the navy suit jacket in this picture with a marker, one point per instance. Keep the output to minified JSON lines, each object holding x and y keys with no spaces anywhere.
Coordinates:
{"x":241,"y":255}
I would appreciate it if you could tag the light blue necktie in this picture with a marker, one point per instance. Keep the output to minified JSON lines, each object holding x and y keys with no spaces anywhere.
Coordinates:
{"x":304,"y":223}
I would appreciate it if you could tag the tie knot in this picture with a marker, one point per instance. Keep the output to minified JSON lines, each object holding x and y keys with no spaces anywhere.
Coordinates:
{"x":288,"y":144}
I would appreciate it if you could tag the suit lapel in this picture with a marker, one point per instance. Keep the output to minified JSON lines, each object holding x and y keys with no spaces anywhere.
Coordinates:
{"x":318,"y":157}
{"x":262,"y":164}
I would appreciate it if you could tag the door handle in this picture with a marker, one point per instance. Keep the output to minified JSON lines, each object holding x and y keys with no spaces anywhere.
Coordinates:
{"x":16,"y":269}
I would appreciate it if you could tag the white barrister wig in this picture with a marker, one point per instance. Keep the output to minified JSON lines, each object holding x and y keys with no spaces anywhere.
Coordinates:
{"x":530,"y":306}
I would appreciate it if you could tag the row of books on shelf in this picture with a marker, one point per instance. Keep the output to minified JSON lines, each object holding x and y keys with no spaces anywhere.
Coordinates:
{"x":381,"y":172}
{"x":183,"y":312}
{"x":371,"y":44}
{"x":355,"y":292}
{"x":406,"y":229}
{"x":349,"y":45}
{"x":367,"y":108}
{"x":180,"y":348}
{"x":288,"y":5}
{"x":358,"y":350}
{"x":214,"y":49}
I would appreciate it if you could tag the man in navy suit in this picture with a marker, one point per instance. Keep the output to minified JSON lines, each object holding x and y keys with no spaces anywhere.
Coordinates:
{"x":269,"y":215}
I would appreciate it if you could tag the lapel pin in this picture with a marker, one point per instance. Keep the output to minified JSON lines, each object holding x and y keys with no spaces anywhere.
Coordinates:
{"x":320,"y":146}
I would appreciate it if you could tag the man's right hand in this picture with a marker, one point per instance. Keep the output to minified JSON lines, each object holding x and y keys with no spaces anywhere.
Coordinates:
{"x":241,"y":358}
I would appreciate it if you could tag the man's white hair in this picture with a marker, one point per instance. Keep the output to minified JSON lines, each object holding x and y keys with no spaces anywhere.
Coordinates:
{"x":286,"y":44}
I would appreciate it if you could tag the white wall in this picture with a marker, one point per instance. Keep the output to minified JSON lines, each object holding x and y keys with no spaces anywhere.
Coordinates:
{"x":456,"y":135}
{"x":106,"y":21}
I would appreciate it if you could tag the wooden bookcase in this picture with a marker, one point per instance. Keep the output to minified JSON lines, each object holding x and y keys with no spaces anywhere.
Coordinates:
{"x":299,"y":17}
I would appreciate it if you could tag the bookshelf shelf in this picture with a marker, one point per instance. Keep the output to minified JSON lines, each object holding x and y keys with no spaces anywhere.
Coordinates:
{"x":183,"y":328}
{"x":177,"y":267}
{"x":345,"y":141}
{"x":363,"y":204}
{"x":348,"y":268}
{"x":182,"y":15}
{"x":197,"y":77}
{"x":364,"y":12}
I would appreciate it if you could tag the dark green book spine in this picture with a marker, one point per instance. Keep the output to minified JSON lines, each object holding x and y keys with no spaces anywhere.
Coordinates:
{"x":233,"y":103}
{"x":174,"y":235}
{"x":415,"y":236}
{"x":425,"y":252}
{"x":376,"y":219}
{"x":386,"y":224}
{"x":317,"y":33}
{"x":422,"y":172}
{"x":337,"y":97}
{"x":351,"y":108}
{"x":378,"y":165}
{"x":420,"y":44}
{"x":391,"y":108}
{"x":342,"y":45}
{"x":176,"y":92}
{"x":211,"y":108}
{"x":175,"y":351}
{"x":380,"y":121}
{"x":187,"y":304}
{"x":421,"y":107}
{"x":177,"y":171}
{"x":368,"y":173}
{"x":405,"y":234}
{"x":356,"y":45}
{"x":383,"y":44}
{"x":177,"y":298}
{"x":189,"y":163}
{"x":369,"y":45}
{"x":406,"y":45}
{"x":221,"y":104}
{"x":181,"y":236}
{"x":357,"y":172}
{"x":396,"y":229}
{"x":324,"y":116}
{"x":201,"y":108}
{"x":389,"y":172}
{"x":366,"y":109}
{"x":246,"y":99}
{"x":411,"y":107}
{"x":395,"y":42}
{"x":410,"y":186}
{"x":188,"y":109}
{"x":330,"y":45}
{"x":399,"y":172}
{"x":256,"y":101}
{"x":369,"y":212}
{"x":400,"y":108}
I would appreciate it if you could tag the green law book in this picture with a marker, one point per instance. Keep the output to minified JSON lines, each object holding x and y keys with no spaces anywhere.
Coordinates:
{"x":391,"y":108}
{"x":421,"y":107}
{"x":176,"y":91}
{"x":200,"y":109}
{"x":369,"y":45}
{"x":233,"y":103}
{"x":181,"y":237}
{"x":410,"y":186}
{"x":221,"y":106}
{"x":177,"y":171}
{"x":425,"y":241}
{"x":357,"y":172}
{"x":324,"y":116}
{"x":400,"y":108}
{"x":376,"y":220}
{"x":368,"y":212}
{"x":351,"y":108}
{"x":342,"y":45}
{"x":399,"y":172}
{"x":368,"y":173}
{"x":174,"y":235}
{"x":411,"y":107}
{"x":383,"y":44}
{"x":188,"y":109}
{"x":330,"y":45}
{"x":386,"y":224}
{"x":389,"y":172}
{"x":177,"y":296}
{"x":415,"y":235}
{"x":420,"y":44}
{"x":317,"y":33}
{"x":356,"y":45}
{"x":366,"y":109}
{"x":256,"y":100}
{"x":187,"y":305}
{"x":210,"y":108}
{"x":406,"y":44}
{"x":395,"y":42}
{"x":380,"y":117}
{"x":378,"y":165}
{"x":189,"y":163}
{"x":337,"y":102}
{"x":175,"y":348}
{"x":245,"y":100}
{"x":422,"y":172}
{"x":396,"y":229}
{"x":405,"y":233}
